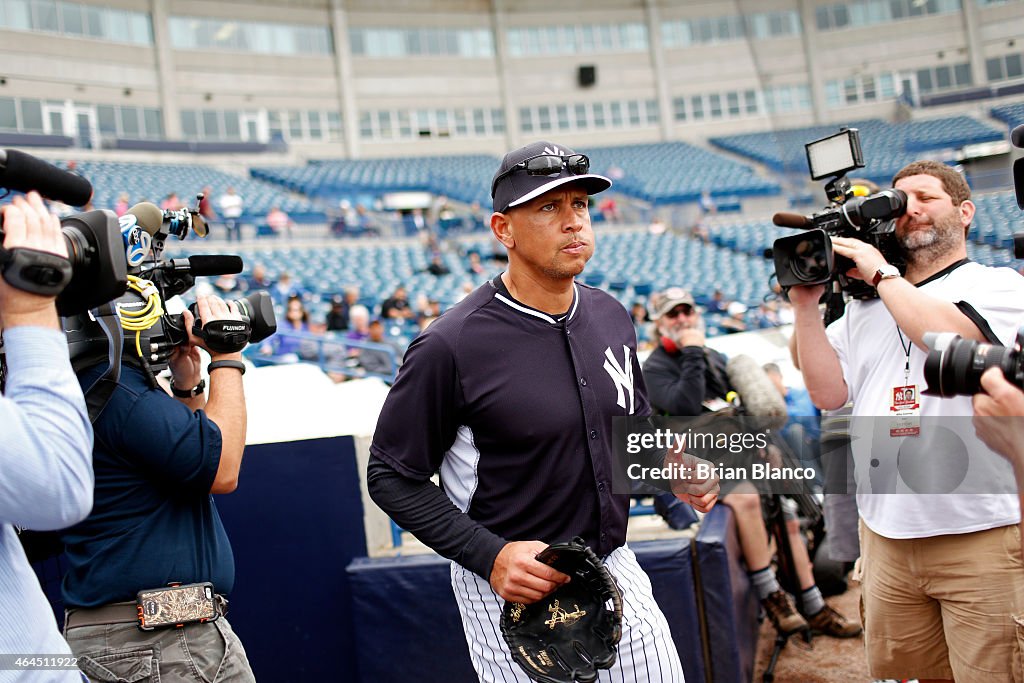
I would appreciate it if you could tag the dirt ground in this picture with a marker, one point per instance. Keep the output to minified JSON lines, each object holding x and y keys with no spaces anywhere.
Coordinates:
{"x":826,"y":659}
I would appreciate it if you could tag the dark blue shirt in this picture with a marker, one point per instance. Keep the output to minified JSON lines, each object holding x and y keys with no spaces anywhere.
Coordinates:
{"x":514,"y":408}
{"x":153,"y":521}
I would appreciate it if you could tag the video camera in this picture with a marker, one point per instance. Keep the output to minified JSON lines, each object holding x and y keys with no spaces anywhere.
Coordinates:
{"x":92,"y":238}
{"x":149,"y":333}
{"x":119,"y":283}
{"x":807,"y":258}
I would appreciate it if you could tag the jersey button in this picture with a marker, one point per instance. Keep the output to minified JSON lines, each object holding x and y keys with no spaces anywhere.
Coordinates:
{"x":593,"y":433}
{"x":600,"y":486}
{"x":583,"y":381}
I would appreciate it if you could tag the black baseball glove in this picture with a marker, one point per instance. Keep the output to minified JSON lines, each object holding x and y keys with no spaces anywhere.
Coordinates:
{"x":571,"y":633}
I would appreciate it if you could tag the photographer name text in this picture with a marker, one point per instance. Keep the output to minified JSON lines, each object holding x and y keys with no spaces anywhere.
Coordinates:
{"x":703,"y":470}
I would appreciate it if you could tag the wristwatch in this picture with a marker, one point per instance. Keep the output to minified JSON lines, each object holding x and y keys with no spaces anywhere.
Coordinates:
{"x":886,"y":272}
{"x":188,"y":393}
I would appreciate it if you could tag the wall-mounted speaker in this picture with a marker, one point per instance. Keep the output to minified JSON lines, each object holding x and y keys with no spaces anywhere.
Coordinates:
{"x":587,"y":75}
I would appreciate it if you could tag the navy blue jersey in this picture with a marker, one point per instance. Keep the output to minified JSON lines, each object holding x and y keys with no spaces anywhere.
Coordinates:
{"x":514,"y":408}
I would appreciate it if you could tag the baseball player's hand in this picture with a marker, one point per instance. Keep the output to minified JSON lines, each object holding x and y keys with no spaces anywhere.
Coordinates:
{"x":697,"y":486}
{"x":517,"y":576}
{"x":999,"y":417}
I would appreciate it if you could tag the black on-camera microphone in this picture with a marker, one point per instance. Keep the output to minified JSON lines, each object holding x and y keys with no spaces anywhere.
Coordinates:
{"x":24,"y":172}
{"x":216,"y":264}
{"x":785,"y":219}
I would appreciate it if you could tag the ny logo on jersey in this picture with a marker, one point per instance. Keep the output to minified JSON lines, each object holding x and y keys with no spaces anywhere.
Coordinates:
{"x":622,"y":376}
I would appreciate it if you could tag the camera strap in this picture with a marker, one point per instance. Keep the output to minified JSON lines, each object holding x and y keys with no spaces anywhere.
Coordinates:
{"x":99,"y":392}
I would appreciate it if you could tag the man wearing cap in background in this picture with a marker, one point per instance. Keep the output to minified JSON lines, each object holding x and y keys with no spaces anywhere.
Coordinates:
{"x":685,"y":378}
{"x":510,"y":395}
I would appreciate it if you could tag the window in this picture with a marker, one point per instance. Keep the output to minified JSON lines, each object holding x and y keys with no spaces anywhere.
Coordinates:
{"x":562,"y":114}
{"x":697,"y":107}
{"x":525,"y":120}
{"x":715,"y":106}
{"x":153,"y":122}
{"x":653,"y":112}
{"x":599,"y":120}
{"x":633,"y":111}
{"x":581,"y":117}
{"x":130,"y":126}
{"x":732,"y":103}
{"x":32,"y":116}
{"x":479,"y":125}
{"x":106,"y":119}
{"x":679,"y":108}
{"x":750,"y":101}
{"x":8,"y":114}
{"x":200,"y":33}
{"x":616,"y":114}
{"x":1014,"y":67}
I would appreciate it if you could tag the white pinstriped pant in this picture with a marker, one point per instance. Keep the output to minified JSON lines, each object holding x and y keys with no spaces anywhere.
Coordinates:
{"x":646,"y":652}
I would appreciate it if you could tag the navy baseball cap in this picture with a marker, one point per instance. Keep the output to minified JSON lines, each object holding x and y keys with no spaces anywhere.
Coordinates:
{"x":514,"y":183}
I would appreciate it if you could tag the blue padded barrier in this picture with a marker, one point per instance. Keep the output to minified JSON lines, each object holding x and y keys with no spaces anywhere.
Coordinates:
{"x":408,"y":625}
{"x":295,"y":522}
{"x":729,"y":602}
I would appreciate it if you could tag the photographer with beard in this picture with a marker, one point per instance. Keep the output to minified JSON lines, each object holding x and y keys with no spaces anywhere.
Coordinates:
{"x":46,"y":453}
{"x":940,"y":572}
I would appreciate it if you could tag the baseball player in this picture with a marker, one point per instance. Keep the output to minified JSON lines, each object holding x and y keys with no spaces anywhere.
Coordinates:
{"x":510,"y":395}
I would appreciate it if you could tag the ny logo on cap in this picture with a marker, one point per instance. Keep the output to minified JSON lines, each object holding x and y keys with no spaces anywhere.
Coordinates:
{"x":557,"y":152}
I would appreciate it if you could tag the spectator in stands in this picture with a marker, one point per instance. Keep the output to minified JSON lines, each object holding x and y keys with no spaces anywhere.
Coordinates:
{"x":206,"y":206}
{"x":768,"y":315}
{"x":699,"y":231}
{"x":171,"y":202}
{"x":231,"y":207}
{"x":279,"y":222}
{"x":337,"y":316}
{"x":397,"y":305}
{"x":258,"y":279}
{"x":707,"y":204}
{"x":284,"y":289}
{"x":284,"y":344}
{"x":942,"y":576}
{"x":365,"y":221}
{"x":478,"y":219}
{"x":437,"y":266}
{"x":609,"y":209}
{"x":657,"y":226}
{"x":686,"y":378}
{"x":379,"y":361}
{"x":227,"y":286}
{"x":642,"y":323}
{"x":718,"y":302}
{"x":734,"y":320}
{"x":122,"y":206}
{"x":359,"y":323}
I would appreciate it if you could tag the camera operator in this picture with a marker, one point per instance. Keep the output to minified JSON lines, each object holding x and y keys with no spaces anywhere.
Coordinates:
{"x":45,"y":458}
{"x":940,"y":576}
{"x":157,"y":459}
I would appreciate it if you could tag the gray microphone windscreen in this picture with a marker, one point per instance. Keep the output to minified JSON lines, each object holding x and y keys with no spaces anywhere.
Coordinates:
{"x":758,"y":395}
{"x":149,"y":216}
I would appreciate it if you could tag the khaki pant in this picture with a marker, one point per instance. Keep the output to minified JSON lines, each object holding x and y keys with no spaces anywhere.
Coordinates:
{"x":942,"y":607}
{"x":195,"y":653}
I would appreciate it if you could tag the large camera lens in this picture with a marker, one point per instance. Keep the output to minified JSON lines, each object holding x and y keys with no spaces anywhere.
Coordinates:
{"x":954,"y":365}
{"x":98,"y":264}
{"x":803,"y":259}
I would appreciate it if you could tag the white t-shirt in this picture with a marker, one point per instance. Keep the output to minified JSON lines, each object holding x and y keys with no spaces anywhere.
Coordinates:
{"x":945,"y":480}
